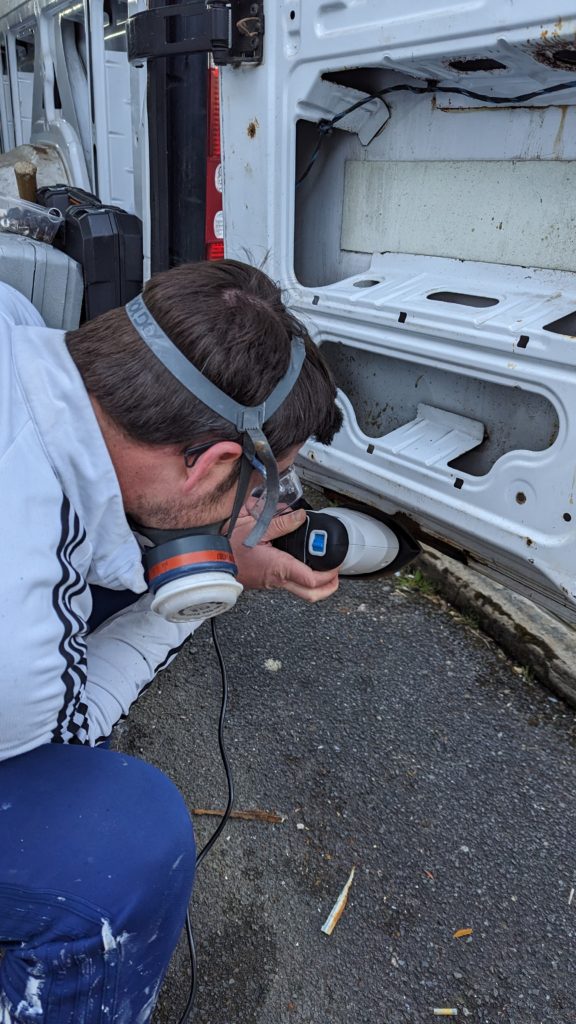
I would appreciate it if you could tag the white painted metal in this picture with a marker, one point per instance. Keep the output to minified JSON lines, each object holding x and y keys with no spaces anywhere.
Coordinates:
{"x":25,"y":90}
{"x":509,"y":504}
{"x":119,"y":135}
{"x":435,"y":437}
{"x":24,"y":113}
{"x":92,"y":129}
{"x":51,"y":125}
{"x":14,"y":87}
{"x":111,"y":96}
{"x":140,"y":148}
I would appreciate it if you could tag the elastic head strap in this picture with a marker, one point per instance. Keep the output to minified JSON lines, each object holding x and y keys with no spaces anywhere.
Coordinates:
{"x":248,"y":420}
{"x":242,"y":416}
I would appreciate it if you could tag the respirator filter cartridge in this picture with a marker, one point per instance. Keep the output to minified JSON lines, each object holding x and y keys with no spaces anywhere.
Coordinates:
{"x":192,"y":578}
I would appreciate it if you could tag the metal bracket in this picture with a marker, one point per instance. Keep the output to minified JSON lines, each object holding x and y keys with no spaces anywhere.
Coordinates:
{"x":231,"y":30}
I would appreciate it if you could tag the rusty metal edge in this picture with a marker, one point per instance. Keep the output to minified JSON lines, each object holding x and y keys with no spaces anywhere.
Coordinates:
{"x":528,"y":635}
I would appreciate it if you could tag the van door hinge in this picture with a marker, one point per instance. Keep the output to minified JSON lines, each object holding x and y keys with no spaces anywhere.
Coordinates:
{"x":231,"y":30}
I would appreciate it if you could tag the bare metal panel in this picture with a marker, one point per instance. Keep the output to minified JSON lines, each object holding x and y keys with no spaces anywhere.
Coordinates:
{"x":492,"y":211}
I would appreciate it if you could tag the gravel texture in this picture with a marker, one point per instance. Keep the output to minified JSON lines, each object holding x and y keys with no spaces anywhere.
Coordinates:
{"x":395,"y":738}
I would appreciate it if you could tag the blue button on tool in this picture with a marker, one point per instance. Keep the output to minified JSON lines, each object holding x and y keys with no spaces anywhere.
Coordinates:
{"x":318,"y":542}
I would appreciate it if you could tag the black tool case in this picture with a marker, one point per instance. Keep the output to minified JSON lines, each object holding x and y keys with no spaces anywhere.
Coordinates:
{"x":105,"y":240}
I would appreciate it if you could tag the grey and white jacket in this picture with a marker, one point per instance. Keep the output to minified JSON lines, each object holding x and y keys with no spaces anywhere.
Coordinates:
{"x":63,"y":528}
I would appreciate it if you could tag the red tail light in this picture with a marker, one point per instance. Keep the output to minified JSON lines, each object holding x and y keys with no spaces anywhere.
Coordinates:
{"x":213,"y":232}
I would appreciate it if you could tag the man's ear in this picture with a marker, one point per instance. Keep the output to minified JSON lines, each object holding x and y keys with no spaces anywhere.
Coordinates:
{"x":213,"y":465}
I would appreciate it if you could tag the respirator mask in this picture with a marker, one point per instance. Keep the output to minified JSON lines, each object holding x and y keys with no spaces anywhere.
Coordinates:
{"x":192,"y":572}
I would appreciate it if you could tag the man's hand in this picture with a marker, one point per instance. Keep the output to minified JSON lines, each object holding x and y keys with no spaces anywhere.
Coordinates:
{"x":265,"y":567}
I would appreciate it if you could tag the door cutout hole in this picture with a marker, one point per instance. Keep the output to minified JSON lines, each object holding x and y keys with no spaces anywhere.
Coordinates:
{"x":567,"y":517}
{"x":463,"y":299}
{"x":385,"y":393}
{"x":522,"y":341}
{"x":370,"y":449}
{"x":565,"y":325}
{"x":458,"y":483}
{"x":402,"y":318}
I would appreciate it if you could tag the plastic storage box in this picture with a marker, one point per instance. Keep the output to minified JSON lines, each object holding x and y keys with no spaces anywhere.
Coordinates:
{"x":105,"y":240}
{"x":28,"y":219}
{"x":51,"y":280}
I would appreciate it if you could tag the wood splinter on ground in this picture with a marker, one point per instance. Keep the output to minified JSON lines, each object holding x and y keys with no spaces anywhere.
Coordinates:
{"x":269,"y":816}
{"x":338,"y":908}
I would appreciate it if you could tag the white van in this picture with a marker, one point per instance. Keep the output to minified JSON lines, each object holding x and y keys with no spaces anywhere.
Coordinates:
{"x":407,"y":173}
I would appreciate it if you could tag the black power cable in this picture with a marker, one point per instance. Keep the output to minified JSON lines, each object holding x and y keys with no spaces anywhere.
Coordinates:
{"x":189,"y":1009}
{"x":325,"y":127}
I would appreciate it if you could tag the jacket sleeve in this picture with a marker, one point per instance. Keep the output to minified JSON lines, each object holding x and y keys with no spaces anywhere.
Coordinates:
{"x":124,"y":655}
{"x":16,"y":309}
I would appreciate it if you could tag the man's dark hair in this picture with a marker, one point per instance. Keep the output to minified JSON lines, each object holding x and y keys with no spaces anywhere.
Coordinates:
{"x":229,"y":319}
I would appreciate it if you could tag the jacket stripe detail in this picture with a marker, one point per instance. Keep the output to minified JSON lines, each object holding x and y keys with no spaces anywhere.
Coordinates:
{"x":72,"y":717}
{"x":168,"y":659}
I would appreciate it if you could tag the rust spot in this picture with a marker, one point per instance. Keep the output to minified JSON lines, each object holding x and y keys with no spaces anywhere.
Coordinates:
{"x":556,"y":53}
{"x":558,"y":137}
{"x":252,"y":129}
{"x":529,"y":541}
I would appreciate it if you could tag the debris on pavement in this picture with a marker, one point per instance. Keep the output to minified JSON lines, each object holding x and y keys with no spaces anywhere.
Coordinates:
{"x":461,"y":933}
{"x":338,"y":908}
{"x":256,"y":815}
{"x":445,"y":1011}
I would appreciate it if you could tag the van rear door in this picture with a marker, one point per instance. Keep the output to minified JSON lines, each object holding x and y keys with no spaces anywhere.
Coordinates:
{"x":407,"y":173}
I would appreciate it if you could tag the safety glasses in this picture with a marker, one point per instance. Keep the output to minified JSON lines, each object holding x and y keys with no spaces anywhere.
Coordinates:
{"x":290,"y":491}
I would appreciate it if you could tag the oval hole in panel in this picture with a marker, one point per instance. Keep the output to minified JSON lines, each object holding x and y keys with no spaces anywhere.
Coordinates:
{"x":462,"y":299}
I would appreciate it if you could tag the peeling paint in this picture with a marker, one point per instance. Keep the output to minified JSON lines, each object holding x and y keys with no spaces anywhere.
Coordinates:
{"x":558,"y":138}
{"x":110,"y":941}
{"x":5,"y":1009}
{"x":31,"y":1004}
{"x":146,"y":1011}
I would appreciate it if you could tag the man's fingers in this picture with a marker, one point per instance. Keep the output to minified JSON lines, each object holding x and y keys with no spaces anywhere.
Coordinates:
{"x":291,"y":570}
{"x":301,"y":581}
{"x":265,"y":566}
{"x":312,"y":595}
{"x":284,"y":524}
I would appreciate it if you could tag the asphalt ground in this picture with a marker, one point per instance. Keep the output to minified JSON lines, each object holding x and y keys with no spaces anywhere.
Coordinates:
{"x":396,"y":739}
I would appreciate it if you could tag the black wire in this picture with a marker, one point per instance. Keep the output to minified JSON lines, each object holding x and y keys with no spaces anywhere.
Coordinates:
{"x":325,"y":127}
{"x":189,"y":1009}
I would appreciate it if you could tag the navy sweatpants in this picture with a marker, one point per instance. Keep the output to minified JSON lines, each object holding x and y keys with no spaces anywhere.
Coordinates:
{"x":96,"y":869}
